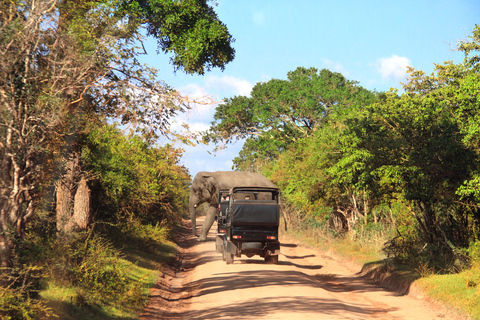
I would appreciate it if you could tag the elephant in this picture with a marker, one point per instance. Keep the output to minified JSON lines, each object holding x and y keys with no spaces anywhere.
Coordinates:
{"x":205,"y":188}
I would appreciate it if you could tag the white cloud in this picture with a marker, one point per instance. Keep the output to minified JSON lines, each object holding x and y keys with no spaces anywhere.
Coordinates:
{"x":230,"y":84}
{"x":201,"y":115}
{"x":199,"y":126}
{"x":394,"y":67}
{"x":200,"y":157}
{"x":193,"y":90}
{"x":265,"y":77}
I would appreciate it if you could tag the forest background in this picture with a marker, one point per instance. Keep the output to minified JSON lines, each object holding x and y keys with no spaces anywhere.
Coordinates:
{"x":82,"y":170}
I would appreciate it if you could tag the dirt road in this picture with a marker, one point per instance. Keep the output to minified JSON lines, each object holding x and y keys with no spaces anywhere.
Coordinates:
{"x":306,"y":284}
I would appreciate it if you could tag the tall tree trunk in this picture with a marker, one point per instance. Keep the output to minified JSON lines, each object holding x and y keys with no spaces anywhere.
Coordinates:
{"x":4,"y":245}
{"x":16,"y":206}
{"x":72,"y":198}
{"x":81,"y":206}
{"x":63,"y":204}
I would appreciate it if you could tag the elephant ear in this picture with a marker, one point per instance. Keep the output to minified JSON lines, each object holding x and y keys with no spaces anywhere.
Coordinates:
{"x":210,"y":183}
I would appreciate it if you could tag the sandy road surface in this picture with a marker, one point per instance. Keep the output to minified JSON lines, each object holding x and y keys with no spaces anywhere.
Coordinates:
{"x":306,"y":284}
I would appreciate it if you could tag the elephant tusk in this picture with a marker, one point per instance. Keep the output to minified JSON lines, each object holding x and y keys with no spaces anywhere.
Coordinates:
{"x":194,"y":205}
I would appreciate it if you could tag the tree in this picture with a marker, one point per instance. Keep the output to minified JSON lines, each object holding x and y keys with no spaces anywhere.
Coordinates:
{"x":64,"y":61}
{"x":421,"y":147}
{"x":420,"y":152}
{"x":318,"y":174}
{"x":279,"y":112}
{"x":40,"y":74}
{"x":134,"y":177}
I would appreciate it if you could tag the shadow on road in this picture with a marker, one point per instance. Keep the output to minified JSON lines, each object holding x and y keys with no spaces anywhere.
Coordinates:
{"x":263,"y":307}
{"x":274,"y":278}
{"x":229,"y":282}
{"x":299,"y":257}
{"x":289,"y":245}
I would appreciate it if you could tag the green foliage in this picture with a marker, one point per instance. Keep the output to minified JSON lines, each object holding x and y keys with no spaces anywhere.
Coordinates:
{"x":190,"y":30}
{"x":135,"y":177}
{"x":100,"y":271}
{"x":97,"y":272}
{"x":136,"y":183}
{"x":474,"y":252}
{"x":101,"y":274}
{"x":419,"y":148}
{"x":416,"y":149}
{"x":280,"y":112}
{"x":318,"y":173}
{"x":66,"y":65}
{"x":151,"y":238}
{"x":18,"y":294}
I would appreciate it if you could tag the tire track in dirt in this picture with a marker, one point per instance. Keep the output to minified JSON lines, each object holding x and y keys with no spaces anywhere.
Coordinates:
{"x":306,"y":284}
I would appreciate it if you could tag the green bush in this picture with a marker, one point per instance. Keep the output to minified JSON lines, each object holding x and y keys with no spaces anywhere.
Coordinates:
{"x":99,"y":272}
{"x":403,"y":247}
{"x":89,"y":263}
{"x":18,"y":294}
{"x":135,"y":177}
{"x":474,"y":253}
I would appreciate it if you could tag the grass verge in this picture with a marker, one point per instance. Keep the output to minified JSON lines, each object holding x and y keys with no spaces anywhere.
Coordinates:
{"x":460,"y":291}
{"x":135,"y":264}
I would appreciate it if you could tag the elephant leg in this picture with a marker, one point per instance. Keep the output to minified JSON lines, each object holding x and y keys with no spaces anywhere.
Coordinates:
{"x":207,"y":224}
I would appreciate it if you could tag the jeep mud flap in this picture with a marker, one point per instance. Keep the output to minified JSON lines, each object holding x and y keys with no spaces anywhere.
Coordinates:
{"x":230,"y":248}
{"x":273,"y":249}
{"x":273,"y":252}
{"x":219,"y":243}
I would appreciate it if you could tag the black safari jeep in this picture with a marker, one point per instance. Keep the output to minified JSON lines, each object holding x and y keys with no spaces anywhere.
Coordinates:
{"x":252,"y":220}
{"x":223,"y":196}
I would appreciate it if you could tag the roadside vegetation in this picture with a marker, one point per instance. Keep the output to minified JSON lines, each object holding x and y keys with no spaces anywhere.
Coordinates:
{"x":89,"y":198}
{"x":391,"y":178}
{"x":104,"y":272}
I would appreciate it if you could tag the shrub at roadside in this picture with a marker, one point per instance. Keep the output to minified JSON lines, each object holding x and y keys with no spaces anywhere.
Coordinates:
{"x":18,"y":294}
{"x":139,"y":195}
{"x":131,"y":176}
{"x":95,"y":275}
{"x":93,"y":267}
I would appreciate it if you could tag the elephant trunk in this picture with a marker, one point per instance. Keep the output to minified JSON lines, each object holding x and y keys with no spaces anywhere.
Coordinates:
{"x":193,"y":215}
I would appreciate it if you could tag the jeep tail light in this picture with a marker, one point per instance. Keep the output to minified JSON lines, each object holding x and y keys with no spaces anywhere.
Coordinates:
{"x":237,"y":237}
{"x":271,"y":237}
{"x":221,"y":231}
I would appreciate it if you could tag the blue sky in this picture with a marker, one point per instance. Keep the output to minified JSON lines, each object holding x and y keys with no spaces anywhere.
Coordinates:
{"x":367,"y":41}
